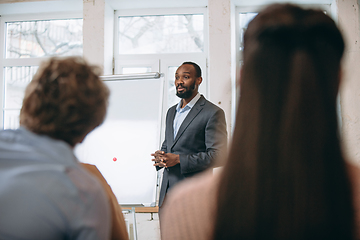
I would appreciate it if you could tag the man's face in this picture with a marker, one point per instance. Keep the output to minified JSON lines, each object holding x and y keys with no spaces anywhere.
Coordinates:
{"x":185,"y":81}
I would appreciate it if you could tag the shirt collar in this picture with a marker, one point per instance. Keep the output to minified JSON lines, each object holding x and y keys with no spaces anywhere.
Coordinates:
{"x":190,"y":104}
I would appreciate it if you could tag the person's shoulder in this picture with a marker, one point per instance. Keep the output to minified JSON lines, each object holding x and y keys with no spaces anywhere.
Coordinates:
{"x":200,"y":185}
{"x":84,"y":181}
{"x":97,"y":174}
{"x":172,"y":108}
{"x":189,"y":208}
{"x":210,"y":105}
{"x":53,"y":183}
{"x":71,"y":181}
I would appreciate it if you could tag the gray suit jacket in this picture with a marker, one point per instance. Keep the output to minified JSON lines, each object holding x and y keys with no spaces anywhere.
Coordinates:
{"x":198,"y":141}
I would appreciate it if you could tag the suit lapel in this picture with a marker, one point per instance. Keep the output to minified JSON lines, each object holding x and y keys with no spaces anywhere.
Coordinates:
{"x":198,"y":107}
{"x":170,"y":136}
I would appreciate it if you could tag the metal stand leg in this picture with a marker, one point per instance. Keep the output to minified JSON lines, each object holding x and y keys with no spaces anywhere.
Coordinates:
{"x":134,"y":223}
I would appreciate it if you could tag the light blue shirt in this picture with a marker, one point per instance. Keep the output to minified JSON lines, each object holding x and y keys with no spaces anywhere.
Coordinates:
{"x":181,"y":113}
{"x":45,"y":193}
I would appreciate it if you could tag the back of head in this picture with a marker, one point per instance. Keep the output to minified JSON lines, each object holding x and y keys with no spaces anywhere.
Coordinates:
{"x":65,"y":100}
{"x":285,"y":177}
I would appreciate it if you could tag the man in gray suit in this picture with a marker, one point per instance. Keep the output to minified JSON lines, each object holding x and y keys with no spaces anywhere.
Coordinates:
{"x":195,"y":131}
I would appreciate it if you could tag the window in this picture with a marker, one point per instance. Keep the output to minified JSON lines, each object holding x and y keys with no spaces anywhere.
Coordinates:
{"x":28,"y":41}
{"x":159,"y":41}
{"x":181,"y":33}
{"x":244,"y":19}
{"x":16,"y":80}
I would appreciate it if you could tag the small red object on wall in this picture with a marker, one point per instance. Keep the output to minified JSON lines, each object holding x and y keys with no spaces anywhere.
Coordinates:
{"x":114,"y":159}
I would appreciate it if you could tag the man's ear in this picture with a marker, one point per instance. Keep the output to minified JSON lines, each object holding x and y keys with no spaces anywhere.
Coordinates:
{"x":199,"y":80}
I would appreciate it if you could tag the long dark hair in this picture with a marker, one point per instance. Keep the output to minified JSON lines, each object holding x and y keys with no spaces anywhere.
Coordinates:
{"x":285,"y":176}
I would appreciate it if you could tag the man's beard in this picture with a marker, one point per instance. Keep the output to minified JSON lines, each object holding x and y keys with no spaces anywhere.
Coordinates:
{"x":187,"y":92}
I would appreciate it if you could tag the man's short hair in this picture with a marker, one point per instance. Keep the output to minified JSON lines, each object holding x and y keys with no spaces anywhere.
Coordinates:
{"x":197,"y":68}
{"x":65,"y":100}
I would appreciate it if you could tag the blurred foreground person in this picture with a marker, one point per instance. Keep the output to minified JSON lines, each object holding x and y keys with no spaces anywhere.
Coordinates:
{"x":44,"y":192}
{"x":285,"y":176}
{"x":118,"y":226}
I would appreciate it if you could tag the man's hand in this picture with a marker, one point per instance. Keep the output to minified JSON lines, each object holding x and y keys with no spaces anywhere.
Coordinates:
{"x":163,"y":159}
{"x":158,"y":158}
{"x":171,"y":159}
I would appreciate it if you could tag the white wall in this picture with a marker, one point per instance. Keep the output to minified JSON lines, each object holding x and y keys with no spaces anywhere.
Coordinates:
{"x":348,"y":20}
{"x":220,"y":62}
{"x":94,"y":31}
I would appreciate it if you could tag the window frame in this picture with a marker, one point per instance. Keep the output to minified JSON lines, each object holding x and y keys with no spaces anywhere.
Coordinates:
{"x":161,"y":61}
{"x":18,"y":62}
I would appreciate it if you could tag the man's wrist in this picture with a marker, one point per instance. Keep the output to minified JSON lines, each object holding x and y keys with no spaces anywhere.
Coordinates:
{"x":178,"y":158}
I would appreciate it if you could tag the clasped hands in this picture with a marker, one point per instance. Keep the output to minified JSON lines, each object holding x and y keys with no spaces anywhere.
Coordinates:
{"x":163,"y":159}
